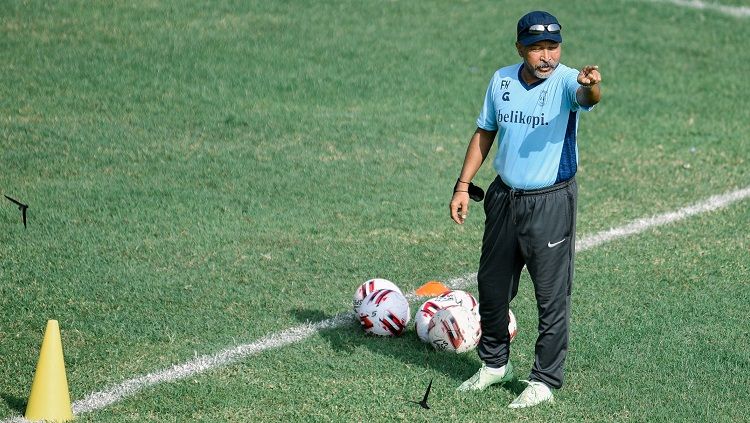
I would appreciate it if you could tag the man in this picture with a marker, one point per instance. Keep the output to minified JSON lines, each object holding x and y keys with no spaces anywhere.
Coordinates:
{"x":531,"y":206}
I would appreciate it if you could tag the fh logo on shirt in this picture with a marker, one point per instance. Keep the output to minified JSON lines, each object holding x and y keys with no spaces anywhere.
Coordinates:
{"x":504,"y":85}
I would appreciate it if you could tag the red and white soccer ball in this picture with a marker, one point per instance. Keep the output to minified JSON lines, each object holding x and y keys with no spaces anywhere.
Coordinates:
{"x":384,"y":312}
{"x":370,"y":286}
{"x":461,"y":298}
{"x":430,"y":307}
{"x":454,"y":329}
{"x":425,"y":312}
{"x":423,"y":316}
{"x":512,"y":325}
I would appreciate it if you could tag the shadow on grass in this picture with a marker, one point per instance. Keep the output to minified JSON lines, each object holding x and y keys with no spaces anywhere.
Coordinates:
{"x":406,"y":348}
{"x":515,"y":386}
{"x":15,"y":403}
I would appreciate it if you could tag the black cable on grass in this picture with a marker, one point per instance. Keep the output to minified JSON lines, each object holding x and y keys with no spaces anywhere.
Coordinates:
{"x":21,"y":207}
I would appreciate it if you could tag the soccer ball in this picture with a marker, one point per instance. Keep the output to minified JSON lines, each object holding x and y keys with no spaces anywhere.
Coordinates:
{"x":430,"y":307}
{"x":462,"y":298}
{"x":512,"y":325}
{"x":454,"y":329}
{"x":425,"y":312}
{"x":384,"y":312}
{"x":370,"y":286}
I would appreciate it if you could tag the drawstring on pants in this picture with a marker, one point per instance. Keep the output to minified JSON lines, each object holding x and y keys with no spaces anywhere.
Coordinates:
{"x":514,"y":194}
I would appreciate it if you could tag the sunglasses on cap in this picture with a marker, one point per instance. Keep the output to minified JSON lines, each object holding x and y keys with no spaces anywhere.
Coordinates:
{"x":539,"y":28}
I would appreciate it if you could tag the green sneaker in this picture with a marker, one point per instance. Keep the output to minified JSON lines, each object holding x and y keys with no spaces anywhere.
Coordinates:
{"x":535,"y":393}
{"x":483,"y":378}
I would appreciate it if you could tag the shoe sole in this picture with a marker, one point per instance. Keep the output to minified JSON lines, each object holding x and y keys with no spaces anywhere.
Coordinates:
{"x":549,"y":400}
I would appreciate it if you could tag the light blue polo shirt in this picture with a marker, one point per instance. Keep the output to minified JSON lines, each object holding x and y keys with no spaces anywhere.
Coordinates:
{"x":536,"y":126}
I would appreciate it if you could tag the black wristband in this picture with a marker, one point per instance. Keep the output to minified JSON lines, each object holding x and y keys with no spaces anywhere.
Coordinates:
{"x":475,"y":193}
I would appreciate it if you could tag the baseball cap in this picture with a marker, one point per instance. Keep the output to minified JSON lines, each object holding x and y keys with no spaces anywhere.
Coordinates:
{"x":536,"y":26}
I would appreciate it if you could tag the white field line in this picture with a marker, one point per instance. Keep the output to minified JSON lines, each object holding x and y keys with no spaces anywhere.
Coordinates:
{"x":113,"y":394}
{"x":736,"y":11}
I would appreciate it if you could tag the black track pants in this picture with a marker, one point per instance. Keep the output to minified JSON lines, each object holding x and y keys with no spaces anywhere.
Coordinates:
{"x":535,"y":228}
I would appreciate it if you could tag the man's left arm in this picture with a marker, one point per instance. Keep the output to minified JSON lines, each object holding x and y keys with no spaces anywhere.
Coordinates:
{"x":589,"y":93}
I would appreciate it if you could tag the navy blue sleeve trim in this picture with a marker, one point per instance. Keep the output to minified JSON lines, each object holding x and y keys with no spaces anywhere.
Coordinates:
{"x":568,"y":159}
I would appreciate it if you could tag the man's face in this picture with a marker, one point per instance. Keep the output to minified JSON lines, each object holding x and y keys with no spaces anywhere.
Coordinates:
{"x":541,"y":58}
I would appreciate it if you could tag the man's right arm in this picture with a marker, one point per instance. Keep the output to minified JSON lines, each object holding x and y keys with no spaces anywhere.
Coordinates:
{"x":476,"y":152}
{"x":589,"y":93}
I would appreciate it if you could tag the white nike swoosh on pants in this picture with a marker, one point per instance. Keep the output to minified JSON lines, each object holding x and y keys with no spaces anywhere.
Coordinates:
{"x":550,"y":245}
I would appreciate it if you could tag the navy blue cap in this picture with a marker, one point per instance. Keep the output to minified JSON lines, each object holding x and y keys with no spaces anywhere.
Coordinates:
{"x":534,"y":18}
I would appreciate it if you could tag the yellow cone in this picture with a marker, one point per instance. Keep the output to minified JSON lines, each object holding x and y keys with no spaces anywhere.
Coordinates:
{"x":50,"y":399}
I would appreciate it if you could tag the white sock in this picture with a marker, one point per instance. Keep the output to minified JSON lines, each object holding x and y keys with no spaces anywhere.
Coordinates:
{"x":496,"y":371}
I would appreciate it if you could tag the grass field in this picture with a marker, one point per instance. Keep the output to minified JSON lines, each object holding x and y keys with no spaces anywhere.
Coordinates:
{"x":203,"y":174}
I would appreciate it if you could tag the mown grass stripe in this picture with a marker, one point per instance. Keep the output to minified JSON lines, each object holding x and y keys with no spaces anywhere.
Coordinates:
{"x":111,"y":395}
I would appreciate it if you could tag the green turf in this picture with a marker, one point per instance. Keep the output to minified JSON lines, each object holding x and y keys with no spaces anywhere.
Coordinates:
{"x":202,"y":174}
